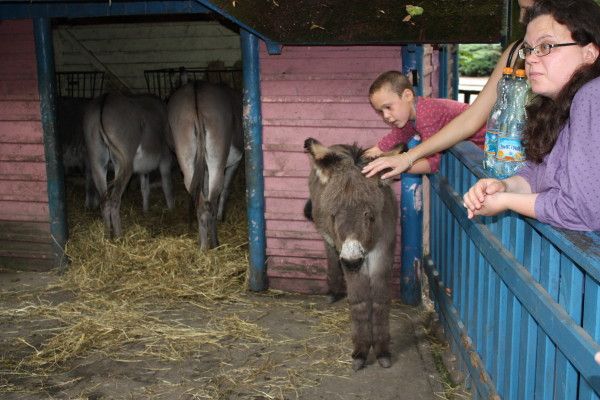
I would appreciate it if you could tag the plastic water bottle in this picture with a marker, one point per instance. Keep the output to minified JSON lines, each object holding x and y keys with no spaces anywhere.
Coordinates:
{"x":497,"y":114}
{"x":510,"y":155}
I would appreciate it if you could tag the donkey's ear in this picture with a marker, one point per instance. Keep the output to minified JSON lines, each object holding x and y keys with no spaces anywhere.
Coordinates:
{"x":322,"y":158}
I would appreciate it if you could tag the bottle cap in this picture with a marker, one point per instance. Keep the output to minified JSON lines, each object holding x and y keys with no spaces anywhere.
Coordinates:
{"x":507,"y":71}
{"x":520,"y":73}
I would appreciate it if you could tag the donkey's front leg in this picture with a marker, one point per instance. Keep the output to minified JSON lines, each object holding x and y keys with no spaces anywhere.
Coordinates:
{"x":380,"y":319}
{"x":360,"y":313}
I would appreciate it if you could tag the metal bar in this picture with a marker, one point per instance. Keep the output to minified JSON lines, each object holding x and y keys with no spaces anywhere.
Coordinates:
{"x":54,"y":168}
{"x":255,"y":193}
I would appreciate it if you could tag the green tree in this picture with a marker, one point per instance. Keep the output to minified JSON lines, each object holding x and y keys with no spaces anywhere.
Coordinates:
{"x":478,"y":59}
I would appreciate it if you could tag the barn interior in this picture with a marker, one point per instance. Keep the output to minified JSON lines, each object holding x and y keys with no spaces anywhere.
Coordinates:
{"x":134,"y":55}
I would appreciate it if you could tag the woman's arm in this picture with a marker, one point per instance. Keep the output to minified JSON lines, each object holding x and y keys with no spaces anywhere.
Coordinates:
{"x":460,"y":128}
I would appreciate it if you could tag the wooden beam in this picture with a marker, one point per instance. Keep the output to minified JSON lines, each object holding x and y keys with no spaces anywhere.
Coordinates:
{"x":115,"y":80}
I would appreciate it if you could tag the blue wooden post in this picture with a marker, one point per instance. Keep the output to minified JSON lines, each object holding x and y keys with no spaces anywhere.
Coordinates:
{"x":443,"y":75}
{"x":455,"y":73}
{"x":411,"y":223}
{"x":411,"y":206}
{"x":254,"y":161}
{"x":44,"y":50}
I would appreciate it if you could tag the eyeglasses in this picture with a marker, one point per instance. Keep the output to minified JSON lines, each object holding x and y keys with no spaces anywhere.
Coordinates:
{"x":542,"y":49}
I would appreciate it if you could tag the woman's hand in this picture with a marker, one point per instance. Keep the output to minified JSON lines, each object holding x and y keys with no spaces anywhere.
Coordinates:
{"x":477,"y":197}
{"x":398,"y":163}
{"x":373,"y":152}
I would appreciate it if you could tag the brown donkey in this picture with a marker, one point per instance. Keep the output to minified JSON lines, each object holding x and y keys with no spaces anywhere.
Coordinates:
{"x":357,"y":218}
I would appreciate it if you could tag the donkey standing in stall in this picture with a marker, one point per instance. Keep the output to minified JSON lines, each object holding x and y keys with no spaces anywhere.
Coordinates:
{"x":206,"y":122}
{"x":131,"y":132}
{"x":356,"y":216}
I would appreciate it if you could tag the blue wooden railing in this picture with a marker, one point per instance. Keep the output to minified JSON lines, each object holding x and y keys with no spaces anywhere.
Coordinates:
{"x":518,"y":299}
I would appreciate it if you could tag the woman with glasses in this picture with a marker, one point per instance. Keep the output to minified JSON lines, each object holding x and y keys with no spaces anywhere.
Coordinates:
{"x":560,"y":183}
{"x":460,"y":128}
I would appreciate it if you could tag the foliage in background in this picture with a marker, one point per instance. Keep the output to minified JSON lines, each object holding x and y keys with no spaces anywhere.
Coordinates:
{"x":478,"y":59}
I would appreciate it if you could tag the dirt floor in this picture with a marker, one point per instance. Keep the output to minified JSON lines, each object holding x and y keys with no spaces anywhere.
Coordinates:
{"x":149,"y":317}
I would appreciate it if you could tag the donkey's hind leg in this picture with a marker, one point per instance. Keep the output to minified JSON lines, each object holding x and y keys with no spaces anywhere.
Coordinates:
{"x":118,"y":186}
{"x":145,"y":189}
{"x":166,"y":180}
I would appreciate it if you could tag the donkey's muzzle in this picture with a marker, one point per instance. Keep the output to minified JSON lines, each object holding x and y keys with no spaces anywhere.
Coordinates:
{"x":352,"y":264}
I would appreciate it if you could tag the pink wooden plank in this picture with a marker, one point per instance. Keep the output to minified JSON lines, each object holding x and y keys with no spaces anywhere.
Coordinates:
{"x":289,"y":207}
{"x":11,"y":27}
{"x":280,"y":184}
{"x":22,"y":152}
{"x":26,"y":89}
{"x":302,"y":286}
{"x":282,"y":120}
{"x":23,"y":170}
{"x":21,"y":45}
{"x":298,"y":246}
{"x":286,"y":161}
{"x":23,"y":211}
{"x":20,"y":68}
{"x":340,"y":52}
{"x":316,"y":65}
{"x":19,"y":110}
{"x":294,"y":137}
{"x":23,"y":191}
{"x":30,"y":132}
{"x":303,"y":87}
{"x":318,"y":111}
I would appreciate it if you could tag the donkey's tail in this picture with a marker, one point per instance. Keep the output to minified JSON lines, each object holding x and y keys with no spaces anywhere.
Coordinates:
{"x":124,"y":167}
{"x":197,"y":183}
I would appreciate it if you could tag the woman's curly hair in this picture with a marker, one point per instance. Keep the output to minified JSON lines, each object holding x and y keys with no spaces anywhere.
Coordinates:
{"x":546,"y":116}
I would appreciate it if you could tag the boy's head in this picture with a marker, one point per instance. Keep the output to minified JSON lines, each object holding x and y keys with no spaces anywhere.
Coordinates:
{"x":392,"y":96}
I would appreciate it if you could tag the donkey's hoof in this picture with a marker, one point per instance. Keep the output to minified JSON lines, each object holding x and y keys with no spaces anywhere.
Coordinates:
{"x":385,"y":361}
{"x":358,"y":363}
{"x":335,"y":297}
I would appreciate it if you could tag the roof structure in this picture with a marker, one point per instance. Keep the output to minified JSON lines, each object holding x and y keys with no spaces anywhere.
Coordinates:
{"x":310,"y":22}
{"x":344,"y":22}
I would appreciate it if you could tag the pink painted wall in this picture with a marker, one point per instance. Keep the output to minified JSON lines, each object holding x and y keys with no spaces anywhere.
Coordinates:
{"x":24,"y":218}
{"x":320,"y":92}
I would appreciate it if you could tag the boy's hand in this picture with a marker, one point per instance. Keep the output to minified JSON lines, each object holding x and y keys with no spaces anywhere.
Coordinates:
{"x":476,"y":197}
{"x":373,"y":152}
{"x":398,"y":164}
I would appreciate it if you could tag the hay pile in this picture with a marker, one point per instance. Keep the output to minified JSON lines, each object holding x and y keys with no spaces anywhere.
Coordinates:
{"x":153,"y":297}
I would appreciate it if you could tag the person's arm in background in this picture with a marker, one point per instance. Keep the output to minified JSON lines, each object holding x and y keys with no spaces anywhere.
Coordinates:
{"x":460,"y":128}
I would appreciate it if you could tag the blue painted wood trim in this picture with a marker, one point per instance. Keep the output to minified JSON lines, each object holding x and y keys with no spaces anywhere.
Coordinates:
{"x":481,"y":379}
{"x":455,"y":73}
{"x":411,"y":204}
{"x":412,"y":61}
{"x":575,"y":343}
{"x":27,"y":10}
{"x":411,"y":222}
{"x":255,"y":193}
{"x":44,"y":50}
{"x":582,"y":247}
{"x":443,"y":79}
{"x":272,"y":46}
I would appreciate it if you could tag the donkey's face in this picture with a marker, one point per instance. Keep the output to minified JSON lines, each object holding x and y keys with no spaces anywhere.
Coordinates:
{"x":347,"y":206}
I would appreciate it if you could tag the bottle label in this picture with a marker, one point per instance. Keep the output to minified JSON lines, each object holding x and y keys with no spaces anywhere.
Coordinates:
{"x":510,"y":149}
{"x":491,"y":141}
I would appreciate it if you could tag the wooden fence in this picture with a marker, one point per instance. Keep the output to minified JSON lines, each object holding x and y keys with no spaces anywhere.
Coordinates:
{"x":518,"y":299}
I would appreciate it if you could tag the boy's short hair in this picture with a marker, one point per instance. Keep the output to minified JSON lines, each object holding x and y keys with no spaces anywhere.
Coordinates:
{"x":398,"y":82}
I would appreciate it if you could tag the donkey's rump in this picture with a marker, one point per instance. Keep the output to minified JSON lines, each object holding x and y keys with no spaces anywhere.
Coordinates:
{"x":206,"y":126}
{"x":130,"y":132}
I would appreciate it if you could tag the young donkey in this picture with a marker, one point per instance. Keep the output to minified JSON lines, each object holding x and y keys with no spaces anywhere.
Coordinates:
{"x":357,"y":218}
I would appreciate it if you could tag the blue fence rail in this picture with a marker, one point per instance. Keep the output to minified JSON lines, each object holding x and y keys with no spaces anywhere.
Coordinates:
{"x":519,"y":300}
